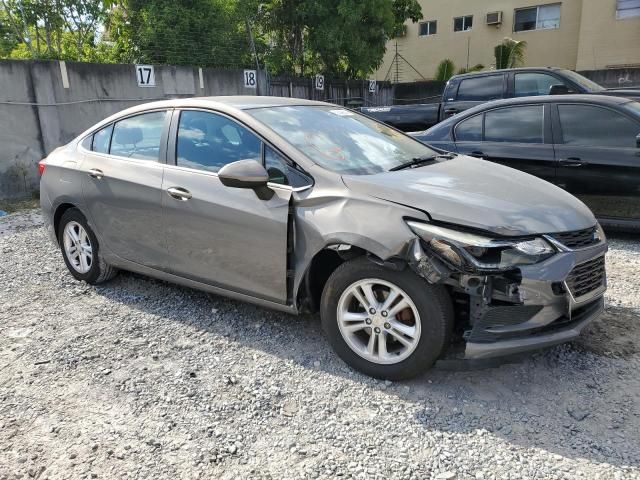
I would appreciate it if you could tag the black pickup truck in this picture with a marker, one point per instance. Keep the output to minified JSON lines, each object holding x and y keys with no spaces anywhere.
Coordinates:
{"x":471,"y":89}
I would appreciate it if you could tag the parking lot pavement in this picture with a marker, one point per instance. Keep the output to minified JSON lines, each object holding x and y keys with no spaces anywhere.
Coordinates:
{"x":142,"y":379}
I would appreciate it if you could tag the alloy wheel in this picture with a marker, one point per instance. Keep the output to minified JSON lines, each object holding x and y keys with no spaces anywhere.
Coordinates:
{"x":77,"y":247}
{"x":378,"y":321}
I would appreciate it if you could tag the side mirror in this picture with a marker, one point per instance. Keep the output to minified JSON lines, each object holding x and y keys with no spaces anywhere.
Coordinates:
{"x":246,"y":174}
{"x":559,"y":90}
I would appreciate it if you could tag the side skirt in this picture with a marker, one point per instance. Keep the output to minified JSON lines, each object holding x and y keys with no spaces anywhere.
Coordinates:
{"x":169,"y":277}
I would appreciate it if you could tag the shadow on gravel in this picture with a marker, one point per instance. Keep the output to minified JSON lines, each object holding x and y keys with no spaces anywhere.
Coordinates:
{"x":577,"y":393}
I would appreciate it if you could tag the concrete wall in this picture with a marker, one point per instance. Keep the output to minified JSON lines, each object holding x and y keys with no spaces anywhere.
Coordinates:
{"x":21,"y":140}
{"x":553,"y":47}
{"x":606,"y":41}
{"x":38,"y":114}
{"x":615,"y":77}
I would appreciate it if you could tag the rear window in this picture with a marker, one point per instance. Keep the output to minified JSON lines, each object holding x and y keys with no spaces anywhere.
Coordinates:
{"x":101,"y":140}
{"x":480,"y":88}
{"x":469,"y":130}
{"x":515,"y":124}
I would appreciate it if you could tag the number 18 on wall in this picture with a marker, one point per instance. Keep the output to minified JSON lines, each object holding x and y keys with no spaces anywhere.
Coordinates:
{"x":250,"y":79}
{"x":145,"y":75}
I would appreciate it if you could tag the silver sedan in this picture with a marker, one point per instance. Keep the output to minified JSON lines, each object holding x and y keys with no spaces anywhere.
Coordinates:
{"x":408,"y":254}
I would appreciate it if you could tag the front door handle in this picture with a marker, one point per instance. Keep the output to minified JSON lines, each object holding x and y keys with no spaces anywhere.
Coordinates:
{"x":179,"y":193}
{"x":572,"y":162}
{"x":477,"y":154}
{"x":95,"y":173}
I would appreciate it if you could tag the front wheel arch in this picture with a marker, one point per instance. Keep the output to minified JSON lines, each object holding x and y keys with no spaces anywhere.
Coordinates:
{"x":324,"y":263}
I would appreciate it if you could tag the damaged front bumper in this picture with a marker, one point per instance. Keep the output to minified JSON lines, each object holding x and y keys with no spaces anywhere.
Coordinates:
{"x":534,"y":307}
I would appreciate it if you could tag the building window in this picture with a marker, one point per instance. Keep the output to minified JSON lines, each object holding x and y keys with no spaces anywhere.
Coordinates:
{"x":627,"y":8}
{"x":462,"y":24}
{"x":537,"y":18}
{"x":428,"y":28}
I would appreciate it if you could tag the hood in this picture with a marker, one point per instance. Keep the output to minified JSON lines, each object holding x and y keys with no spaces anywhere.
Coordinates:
{"x":632,"y":93}
{"x":475,"y":193}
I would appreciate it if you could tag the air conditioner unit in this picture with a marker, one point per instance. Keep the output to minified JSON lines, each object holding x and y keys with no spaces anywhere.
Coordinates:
{"x":494,"y":18}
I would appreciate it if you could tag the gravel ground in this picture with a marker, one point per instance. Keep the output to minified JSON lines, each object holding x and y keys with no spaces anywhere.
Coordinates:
{"x":142,"y":379}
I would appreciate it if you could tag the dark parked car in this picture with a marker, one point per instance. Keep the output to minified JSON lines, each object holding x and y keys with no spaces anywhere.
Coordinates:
{"x":587,"y":144}
{"x":466,"y":91}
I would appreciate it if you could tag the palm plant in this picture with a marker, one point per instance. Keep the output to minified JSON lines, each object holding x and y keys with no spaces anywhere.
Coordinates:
{"x":510,"y":53}
{"x":476,"y":68}
{"x":445,"y":70}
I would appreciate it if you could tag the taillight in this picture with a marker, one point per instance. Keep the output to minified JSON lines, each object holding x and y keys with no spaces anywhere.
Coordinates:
{"x":41,"y":166}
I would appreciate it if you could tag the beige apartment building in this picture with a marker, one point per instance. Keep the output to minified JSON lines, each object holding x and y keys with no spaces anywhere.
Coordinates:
{"x":575,"y":34}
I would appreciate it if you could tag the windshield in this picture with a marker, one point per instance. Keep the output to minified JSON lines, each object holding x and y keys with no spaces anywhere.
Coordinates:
{"x":633,"y":107}
{"x":341,"y":140}
{"x":583,"y":81}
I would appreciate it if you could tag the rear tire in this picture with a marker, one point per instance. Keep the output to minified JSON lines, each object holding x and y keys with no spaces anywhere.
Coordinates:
{"x":80,"y":249}
{"x":393,"y":339}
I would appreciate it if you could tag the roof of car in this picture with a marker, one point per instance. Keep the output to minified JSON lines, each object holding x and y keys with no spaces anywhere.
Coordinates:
{"x":226,"y":104}
{"x":575,"y":98}
{"x":240,"y":102}
{"x":244,"y":102}
{"x":578,"y":98}
{"x":507,"y":70}
{"x":542,"y":99}
{"x":223,"y":103}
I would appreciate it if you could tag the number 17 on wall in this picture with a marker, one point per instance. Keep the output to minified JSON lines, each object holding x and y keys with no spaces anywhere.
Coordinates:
{"x":145,"y":76}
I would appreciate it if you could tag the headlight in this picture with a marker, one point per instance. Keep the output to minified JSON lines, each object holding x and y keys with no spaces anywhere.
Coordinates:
{"x":599,"y":235}
{"x":465,"y":250}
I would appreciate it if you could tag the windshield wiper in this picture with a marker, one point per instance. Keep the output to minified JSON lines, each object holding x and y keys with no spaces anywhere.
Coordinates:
{"x":419,"y":161}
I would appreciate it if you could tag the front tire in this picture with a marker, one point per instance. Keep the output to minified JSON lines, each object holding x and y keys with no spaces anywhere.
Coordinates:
{"x":386,"y":324}
{"x":80,"y":249}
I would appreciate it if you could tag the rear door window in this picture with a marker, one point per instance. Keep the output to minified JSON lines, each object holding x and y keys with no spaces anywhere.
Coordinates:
{"x":139,"y":136}
{"x":469,"y":130}
{"x":521,"y":124}
{"x":588,"y":125}
{"x":481,"y":88}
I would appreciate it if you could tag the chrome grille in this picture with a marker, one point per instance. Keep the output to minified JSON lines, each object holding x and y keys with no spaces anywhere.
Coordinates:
{"x":577,"y":238}
{"x":587,"y":277}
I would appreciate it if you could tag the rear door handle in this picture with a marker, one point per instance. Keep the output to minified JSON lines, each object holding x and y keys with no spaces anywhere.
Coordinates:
{"x":451,"y":111}
{"x":95,"y":173}
{"x":572,"y":162}
{"x":179,"y":193}
{"x":477,"y":154}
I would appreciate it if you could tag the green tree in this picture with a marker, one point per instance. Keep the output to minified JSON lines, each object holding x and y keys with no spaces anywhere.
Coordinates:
{"x":445,"y":70}
{"x":65,"y":29}
{"x":475,"y":68}
{"x":180,"y":32}
{"x":510,"y":53}
{"x":8,"y":38}
{"x":345,"y":38}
